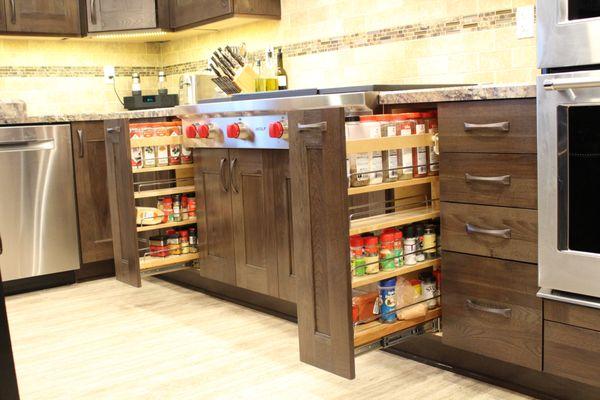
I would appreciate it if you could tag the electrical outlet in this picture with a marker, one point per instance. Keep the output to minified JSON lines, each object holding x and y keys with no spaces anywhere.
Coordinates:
{"x":525,"y":22}
{"x":109,"y":74}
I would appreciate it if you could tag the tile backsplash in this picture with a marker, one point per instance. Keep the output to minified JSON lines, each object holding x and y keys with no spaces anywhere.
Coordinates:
{"x":325,"y":43}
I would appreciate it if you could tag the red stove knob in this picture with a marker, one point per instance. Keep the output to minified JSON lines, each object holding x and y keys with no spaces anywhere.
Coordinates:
{"x":191,"y":131}
{"x":233,"y":131}
{"x":204,"y":131}
{"x":277,"y":130}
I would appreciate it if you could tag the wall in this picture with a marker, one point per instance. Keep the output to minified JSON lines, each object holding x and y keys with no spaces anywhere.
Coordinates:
{"x":326,"y":43}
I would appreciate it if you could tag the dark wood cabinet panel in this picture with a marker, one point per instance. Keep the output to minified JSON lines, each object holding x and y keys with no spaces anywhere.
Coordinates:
{"x":469,"y":178}
{"x":59,"y":17}
{"x":215,"y":216}
{"x":8,"y":379}
{"x":284,"y":225}
{"x":254,"y":220}
{"x":497,"y":126}
{"x":89,"y":155}
{"x":572,"y":352}
{"x":190,"y":13}
{"x":490,"y":308}
{"x":118,"y":15}
{"x":2,"y":18}
{"x":571,"y":314}
{"x":520,"y":226}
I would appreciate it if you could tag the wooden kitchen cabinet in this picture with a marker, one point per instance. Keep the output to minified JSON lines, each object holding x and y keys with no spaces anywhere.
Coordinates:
{"x":190,"y":13}
{"x":118,"y":15}
{"x":57,"y":17}
{"x":215,"y":215}
{"x":2,"y":18}
{"x":89,"y":156}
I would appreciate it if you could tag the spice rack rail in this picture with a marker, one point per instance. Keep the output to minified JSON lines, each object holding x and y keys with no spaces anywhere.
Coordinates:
{"x":398,"y":218}
{"x":157,"y":141}
{"x":147,"y":228}
{"x":148,"y":263}
{"x":165,"y":168}
{"x":164,"y":192}
{"x":374,"y":331}
{"x":354,"y":146}
{"x":359,"y":281}
{"x":393,"y":185}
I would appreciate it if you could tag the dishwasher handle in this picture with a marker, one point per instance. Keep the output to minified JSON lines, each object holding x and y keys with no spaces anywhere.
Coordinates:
{"x":26,"y":145}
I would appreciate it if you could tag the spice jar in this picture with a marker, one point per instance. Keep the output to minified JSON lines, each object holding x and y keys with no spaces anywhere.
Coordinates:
{"x":398,"y":249}
{"x":431,"y":125}
{"x":371,"y":127}
{"x":386,"y":252}
{"x":186,"y":155}
{"x":410,"y":246}
{"x":358,"y":164}
{"x":389,"y":158}
{"x":420,"y":242}
{"x":420,"y":154}
{"x":387,"y":300}
{"x":418,"y":288}
{"x":174,"y":244}
{"x":177,"y":208}
{"x":429,"y":242}
{"x":429,"y":289}
{"x":162,"y":155}
{"x":185,"y":241}
{"x":158,"y":246}
{"x":192,"y":205}
{"x":185,"y":215}
{"x":149,"y":156}
{"x":193,"y":240}
{"x":405,"y":127}
{"x":371,"y":254}
{"x":167,"y":208}
{"x":357,"y":256}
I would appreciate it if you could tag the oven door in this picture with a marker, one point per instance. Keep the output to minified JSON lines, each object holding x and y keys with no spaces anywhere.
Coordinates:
{"x":568,"y":32}
{"x":569,"y":182}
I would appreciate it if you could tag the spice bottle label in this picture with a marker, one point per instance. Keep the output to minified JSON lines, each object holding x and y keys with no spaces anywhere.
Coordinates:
{"x":407,"y":158}
{"x":377,"y":165}
{"x":363,"y":165}
{"x":393,"y":164}
{"x":420,"y":129}
{"x":422,"y":160}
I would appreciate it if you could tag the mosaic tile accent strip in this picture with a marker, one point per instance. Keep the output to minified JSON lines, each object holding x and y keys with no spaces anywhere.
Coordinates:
{"x":72,"y":72}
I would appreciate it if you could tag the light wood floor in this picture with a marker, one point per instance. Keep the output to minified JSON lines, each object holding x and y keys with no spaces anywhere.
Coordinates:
{"x":105,"y":340}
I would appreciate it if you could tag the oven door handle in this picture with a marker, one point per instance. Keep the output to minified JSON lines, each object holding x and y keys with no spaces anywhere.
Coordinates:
{"x":579,"y":300}
{"x":562,"y":84}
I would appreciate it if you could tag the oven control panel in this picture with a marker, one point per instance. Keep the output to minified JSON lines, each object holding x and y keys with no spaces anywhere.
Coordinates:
{"x":247,"y":132}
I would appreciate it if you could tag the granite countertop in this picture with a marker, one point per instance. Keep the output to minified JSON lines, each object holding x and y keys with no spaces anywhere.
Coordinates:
{"x":58,"y":118}
{"x":460,"y":93}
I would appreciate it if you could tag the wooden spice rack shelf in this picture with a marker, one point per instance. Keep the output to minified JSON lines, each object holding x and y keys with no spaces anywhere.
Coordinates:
{"x":147,"y":228}
{"x":156,"y":141}
{"x":398,"y":218}
{"x":164,"y":192}
{"x":392,"y":185}
{"x":354,"y":146}
{"x":147,"y":263}
{"x":359,"y":281}
{"x":165,"y":168}
{"x":373,"y":331}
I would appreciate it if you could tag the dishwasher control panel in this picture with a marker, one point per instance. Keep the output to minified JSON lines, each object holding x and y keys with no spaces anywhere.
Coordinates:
{"x":247,"y":132}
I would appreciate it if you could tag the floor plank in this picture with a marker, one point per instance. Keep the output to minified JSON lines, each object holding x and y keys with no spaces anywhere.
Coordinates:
{"x":106,"y":340}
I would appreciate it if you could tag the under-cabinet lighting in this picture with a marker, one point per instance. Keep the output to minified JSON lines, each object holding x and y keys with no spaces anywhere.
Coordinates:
{"x":126,"y":35}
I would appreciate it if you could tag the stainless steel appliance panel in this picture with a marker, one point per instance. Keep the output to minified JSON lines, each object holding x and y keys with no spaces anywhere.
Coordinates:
{"x":568,"y":32}
{"x":560,"y":267}
{"x":38,"y":219}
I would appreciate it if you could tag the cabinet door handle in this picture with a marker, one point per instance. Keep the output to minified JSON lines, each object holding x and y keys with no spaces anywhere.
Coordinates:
{"x":93,"y":15}
{"x":497,"y":126}
{"x":232,"y":175}
{"x":1,"y":247}
{"x":503,"y":180}
{"x":222,"y":175}
{"x":80,"y":138}
{"x":112,"y":134}
{"x":13,"y":12}
{"x":322,"y":126}
{"x":501,"y":233}
{"x":473,"y":305}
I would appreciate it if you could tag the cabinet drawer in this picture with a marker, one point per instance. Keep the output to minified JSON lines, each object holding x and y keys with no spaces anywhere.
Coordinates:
{"x":572,"y":352}
{"x":490,"y":179}
{"x":571,"y":314}
{"x":500,"y":232}
{"x":490,"y":308}
{"x":499,"y":126}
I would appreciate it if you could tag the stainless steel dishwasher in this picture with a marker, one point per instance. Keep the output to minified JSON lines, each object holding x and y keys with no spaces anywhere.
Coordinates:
{"x":38,"y":220}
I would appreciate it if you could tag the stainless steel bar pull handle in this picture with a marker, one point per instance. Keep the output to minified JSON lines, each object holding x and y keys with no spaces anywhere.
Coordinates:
{"x":93,"y":15}
{"x":13,"y":12}
{"x":222,"y":175}
{"x":232,"y":175}
{"x":322,"y":126}
{"x":496,"y":126}
{"x":80,"y":138}
{"x":571,"y":83}
{"x":26,"y":145}
{"x":500,"y":233}
{"x":1,"y":247}
{"x":503,"y":180}
{"x":473,"y":305}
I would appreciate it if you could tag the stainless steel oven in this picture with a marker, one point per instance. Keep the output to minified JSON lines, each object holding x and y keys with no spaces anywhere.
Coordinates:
{"x":568,"y":32}
{"x":569,"y":186}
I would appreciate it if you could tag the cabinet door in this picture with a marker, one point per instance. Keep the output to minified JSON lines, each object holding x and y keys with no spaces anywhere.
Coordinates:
{"x":284,"y":225}
{"x":215,"y":236}
{"x":35,"y":16}
{"x":118,"y":15}
{"x":2,"y":17}
{"x":190,"y":12}
{"x":254,"y":220}
{"x":89,"y":154}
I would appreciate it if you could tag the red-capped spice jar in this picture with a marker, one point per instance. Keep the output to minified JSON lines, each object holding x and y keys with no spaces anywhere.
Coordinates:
{"x":184,"y":236}
{"x":159,"y":246}
{"x":386,"y":252}
{"x":191,"y":199}
{"x":371,"y":254}
{"x":405,"y":126}
{"x":167,"y":209}
{"x":431,"y":124}
{"x":357,"y":255}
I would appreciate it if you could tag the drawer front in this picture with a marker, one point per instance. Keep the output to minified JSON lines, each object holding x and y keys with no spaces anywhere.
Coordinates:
{"x":572,"y":352}
{"x":492,"y":179}
{"x":499,"y":232}
{"x":490,"y":308}
{"x":499,"y":126}
{"x":571,"y":314}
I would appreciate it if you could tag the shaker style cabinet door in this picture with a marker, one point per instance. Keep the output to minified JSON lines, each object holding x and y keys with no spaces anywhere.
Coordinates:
{"x":190,"y":12}
{"x":215,"y":218}
{"x":89,"y":156}
{"x":118,"y":15}
{"x":59,"y":17}
{"x":254,"y":220}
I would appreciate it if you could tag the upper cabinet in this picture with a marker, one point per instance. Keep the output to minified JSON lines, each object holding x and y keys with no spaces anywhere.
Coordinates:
{"x":192,"y":13}
{"x":119,"y":15}
{"x":55,"y":17}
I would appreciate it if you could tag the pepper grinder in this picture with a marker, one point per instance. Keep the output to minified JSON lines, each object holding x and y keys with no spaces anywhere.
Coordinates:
{"x":136,"y":86}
